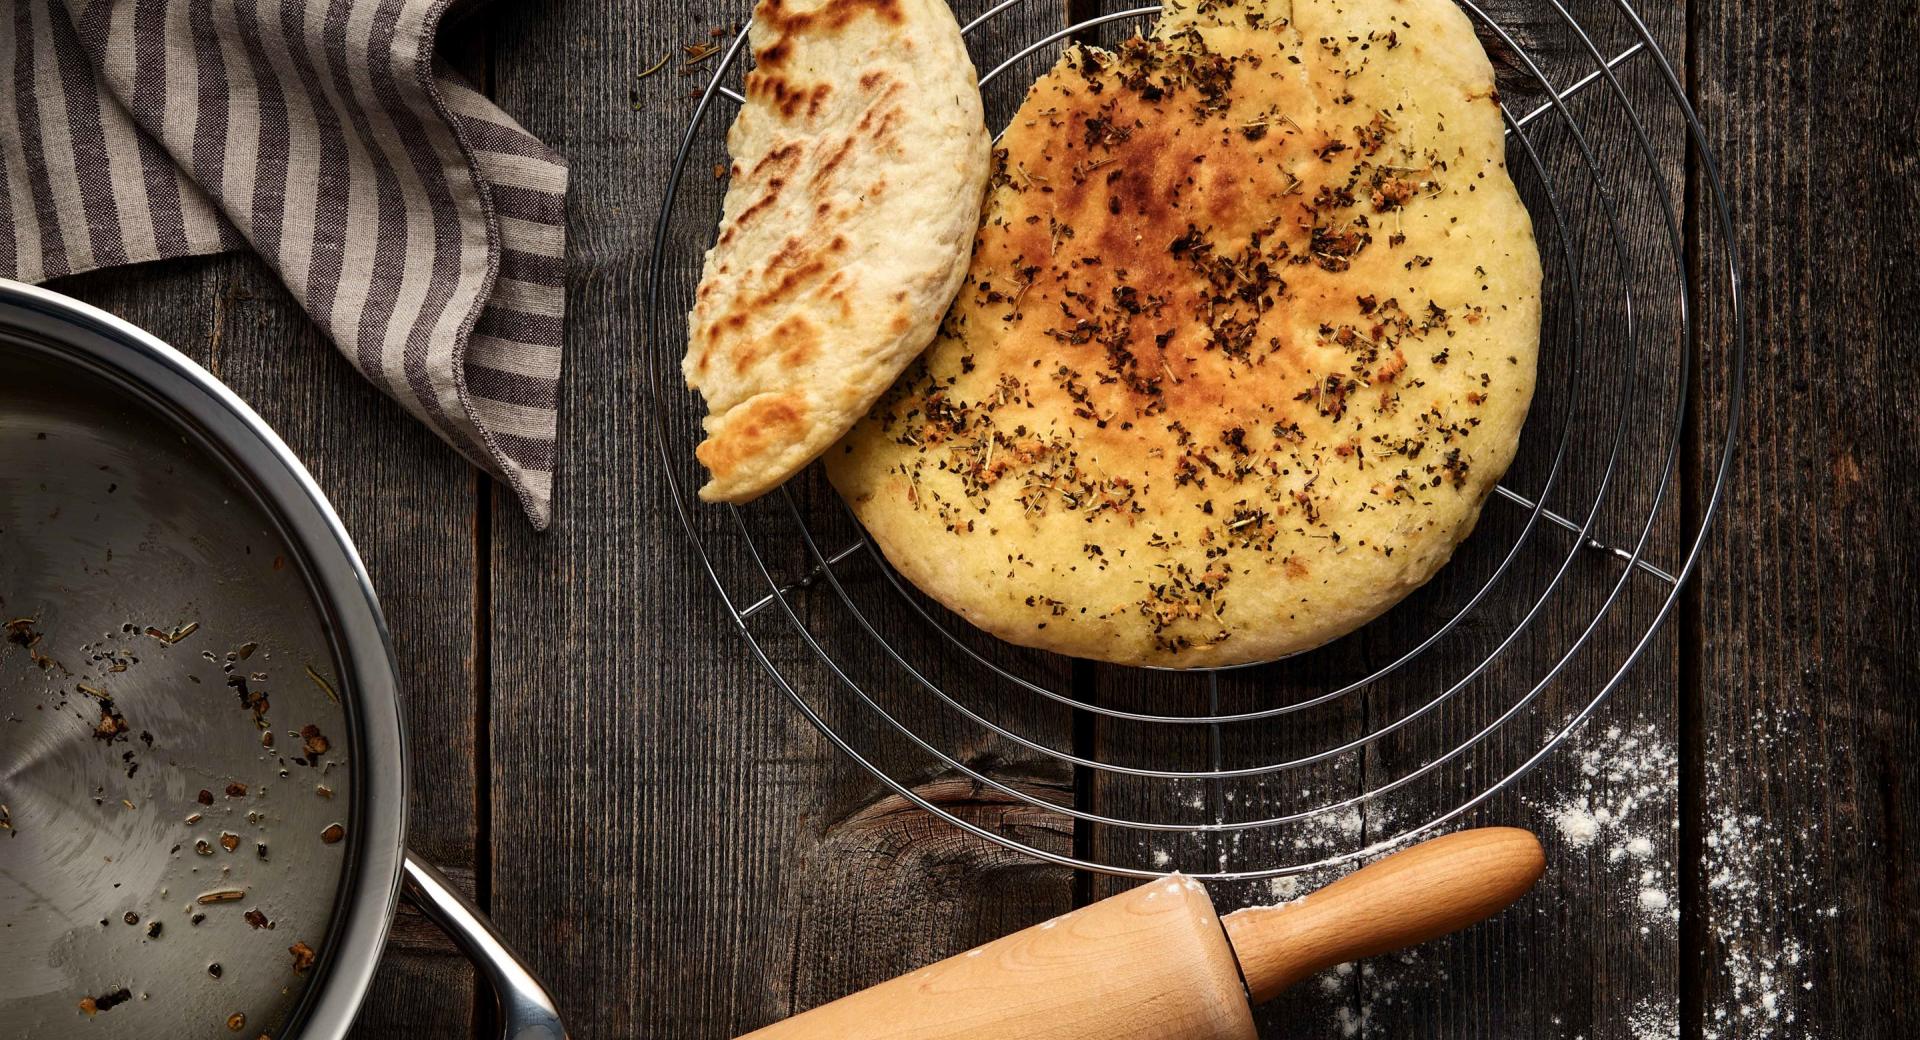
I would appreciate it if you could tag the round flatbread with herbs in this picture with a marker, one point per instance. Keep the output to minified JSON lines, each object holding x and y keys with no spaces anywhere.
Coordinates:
{"x":1248,"y":337}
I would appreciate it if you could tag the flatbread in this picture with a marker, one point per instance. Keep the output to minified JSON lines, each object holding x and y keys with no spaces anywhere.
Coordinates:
{"x":1248,"y":337}
{"x":859,"y":160}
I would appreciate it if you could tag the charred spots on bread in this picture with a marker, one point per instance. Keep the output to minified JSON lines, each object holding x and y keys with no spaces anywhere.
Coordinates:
{"x":790,"y":17}
{"x":1215,"y":342}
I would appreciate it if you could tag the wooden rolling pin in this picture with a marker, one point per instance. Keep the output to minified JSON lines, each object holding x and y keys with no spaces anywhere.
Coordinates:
{"x":1156,"y":963}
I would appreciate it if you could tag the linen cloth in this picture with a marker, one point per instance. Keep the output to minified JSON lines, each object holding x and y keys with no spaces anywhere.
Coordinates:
{"x":421,"y":228}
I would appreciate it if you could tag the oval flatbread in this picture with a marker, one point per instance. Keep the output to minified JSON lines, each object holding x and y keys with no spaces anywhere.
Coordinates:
{"x":859,"y":160}
{"x":1248,"y":337}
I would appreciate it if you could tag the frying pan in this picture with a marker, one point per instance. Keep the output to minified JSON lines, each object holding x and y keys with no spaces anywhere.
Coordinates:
{"x":203,"y":777}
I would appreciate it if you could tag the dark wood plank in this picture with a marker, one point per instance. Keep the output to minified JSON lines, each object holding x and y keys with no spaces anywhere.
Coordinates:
{"x":681,"y":854}
{"x":408,"y":501}
{"x":675,"y":846}
{"x":1807,"y":817}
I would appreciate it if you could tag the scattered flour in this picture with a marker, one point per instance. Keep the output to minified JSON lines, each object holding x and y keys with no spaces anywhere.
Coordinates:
{"x":1758,"y":876}
{"x":1625,"y":805}
{"x":1382,"y":984}
{"x":1285,"y":889}
{"x":1622,"y":808}
{"x":1324,"y":834}
{"x":1577,"y":826}
{"x":1654,"y":1020}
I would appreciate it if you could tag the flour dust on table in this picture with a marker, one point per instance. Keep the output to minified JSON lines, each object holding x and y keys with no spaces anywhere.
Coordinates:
{"x":1759,"y":874}
{"x":1624,"y":808}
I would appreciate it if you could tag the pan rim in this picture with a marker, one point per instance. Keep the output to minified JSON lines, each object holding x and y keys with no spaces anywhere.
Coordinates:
{"x":357,"y":629}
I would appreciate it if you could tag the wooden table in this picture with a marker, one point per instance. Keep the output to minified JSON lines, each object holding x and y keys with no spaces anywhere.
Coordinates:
{"x":653,"y":825}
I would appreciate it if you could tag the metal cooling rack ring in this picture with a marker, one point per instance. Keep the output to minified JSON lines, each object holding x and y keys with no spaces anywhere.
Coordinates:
{"x":1718,"y":283}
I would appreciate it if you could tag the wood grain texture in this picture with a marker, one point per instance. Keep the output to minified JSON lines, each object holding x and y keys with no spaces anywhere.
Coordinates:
{"x":680,"y":854}
{"x":1806,"y":625}
{"x":407,"y":500}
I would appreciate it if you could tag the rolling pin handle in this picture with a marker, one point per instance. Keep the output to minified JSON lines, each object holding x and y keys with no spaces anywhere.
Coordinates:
{"x":1438,"y":886}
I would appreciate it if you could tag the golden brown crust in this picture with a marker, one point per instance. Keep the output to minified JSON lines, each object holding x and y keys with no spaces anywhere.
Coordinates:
{"x":859,"y":160}
{"x":751,"y":428}
{"x":1248,"y":335}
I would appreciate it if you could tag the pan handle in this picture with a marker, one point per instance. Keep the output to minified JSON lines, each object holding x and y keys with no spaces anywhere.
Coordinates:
{"x":526,"y":1011}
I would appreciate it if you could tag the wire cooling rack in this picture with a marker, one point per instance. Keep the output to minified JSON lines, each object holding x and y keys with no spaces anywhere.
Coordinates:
{"x":1410,"y":723}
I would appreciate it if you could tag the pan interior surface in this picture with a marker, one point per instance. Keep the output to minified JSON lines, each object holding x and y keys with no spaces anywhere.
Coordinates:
{"x":177,"y":821}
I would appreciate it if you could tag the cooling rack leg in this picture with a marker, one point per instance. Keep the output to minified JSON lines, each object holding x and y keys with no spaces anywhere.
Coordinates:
{"x":805,"y":581}
{"x":1579,"y":85}
{"x":1592,"y":543}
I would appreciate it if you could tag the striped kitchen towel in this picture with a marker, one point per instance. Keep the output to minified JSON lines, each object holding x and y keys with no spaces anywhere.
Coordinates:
{"x":419,"y":225}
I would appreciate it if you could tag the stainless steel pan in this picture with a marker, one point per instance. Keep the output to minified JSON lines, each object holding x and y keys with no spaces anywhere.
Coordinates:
{"x":203,"y":781}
